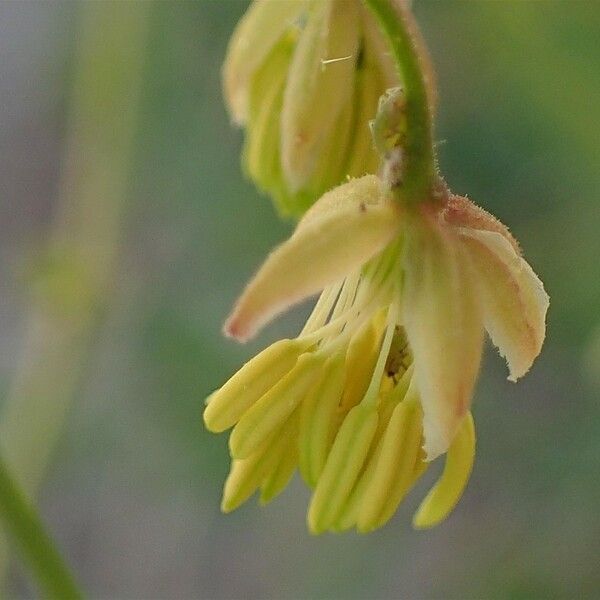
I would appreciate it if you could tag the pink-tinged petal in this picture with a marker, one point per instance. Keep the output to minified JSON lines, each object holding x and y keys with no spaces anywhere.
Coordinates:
{"x":513,"y":298}
{"x":262,"y":25}
{"x":461,"y":212}
{"x":321,"y":251}
{"x":445,"y":331}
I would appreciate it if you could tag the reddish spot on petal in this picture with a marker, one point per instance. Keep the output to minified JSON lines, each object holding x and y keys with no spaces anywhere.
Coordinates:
{"x":235,"y":329}
{"x":461,"y":212}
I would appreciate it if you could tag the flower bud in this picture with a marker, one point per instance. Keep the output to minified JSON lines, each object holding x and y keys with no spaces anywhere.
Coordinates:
{"x":304,"y":79}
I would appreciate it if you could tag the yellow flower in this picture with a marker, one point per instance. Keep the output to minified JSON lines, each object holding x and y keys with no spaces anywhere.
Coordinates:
{"x":379,"y":382}
{"x":304,"y":77}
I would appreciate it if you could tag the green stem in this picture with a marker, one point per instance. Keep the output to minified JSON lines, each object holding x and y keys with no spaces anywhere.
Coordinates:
{"x":25,"y":527}
{"x":417,"y":145}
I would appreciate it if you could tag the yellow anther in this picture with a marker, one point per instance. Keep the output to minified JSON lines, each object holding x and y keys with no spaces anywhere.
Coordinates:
{"x":245,"y":476}
{"x":387,"y":404}
{"x":317,"y":419}
{"x":227,"y":405}
{"x":390,"y":476}
{"x":274,"y":407}
{"x":283,"y":470}
{"x":264,"y":469}
{"x":343,"y":467}
{"x":447,"y":491}
{"x":261,"y":150}
{"x":421,"y":465}
{"x":361,"y":358}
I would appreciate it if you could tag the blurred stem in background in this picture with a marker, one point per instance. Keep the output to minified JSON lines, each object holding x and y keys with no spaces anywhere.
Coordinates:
{"x":26,"y":529}
{"x":72,"y":279}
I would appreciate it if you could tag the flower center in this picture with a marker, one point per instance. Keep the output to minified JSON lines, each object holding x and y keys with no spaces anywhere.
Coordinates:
{"x":360,"y":317}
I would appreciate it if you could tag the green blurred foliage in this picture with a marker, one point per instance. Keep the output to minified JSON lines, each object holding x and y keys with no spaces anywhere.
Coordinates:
{"x":134,"y":493}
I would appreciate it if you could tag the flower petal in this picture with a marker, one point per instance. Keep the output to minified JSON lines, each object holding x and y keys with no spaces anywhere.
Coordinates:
{"x":461,"y":212}
{"x":444,"y":329}
{"x":260,"y":156}
{"x":362,"y":157}
{"x":367,"y":190}
{"x":513,"y":297}
{"x":320,"y":252}
{"x":254,"y":37}
{"x":321,"y":78}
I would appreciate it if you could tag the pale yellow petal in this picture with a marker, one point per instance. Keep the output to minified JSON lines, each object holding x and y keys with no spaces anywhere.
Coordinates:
{"x":321,"y":78}
{"x":330,"y":168}
{"x":363,"y":157}
{"x":445,"y":331}
{"x":367,"y":190}
{"x":444,"y":496}
{"x":513,"y":298}
{"x":318,"y":253}
{"x":260,"y":156}
{"x":262,"y":25}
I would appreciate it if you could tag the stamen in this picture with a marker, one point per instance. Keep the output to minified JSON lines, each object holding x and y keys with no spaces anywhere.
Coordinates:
{"x":347,"y":295}
{"x":283,"y":468}
{"x":373,"y":389}
{"x":322,"y":308}
{"x":344,"y":465}
{"x":273,"y":409}
{"x":348,"y":321}
{"x":317,"y":419}
{"x":246,"y":474}
{"x":447,"y":491}
{"x":393,"y":470}
{"x":227,"y":405}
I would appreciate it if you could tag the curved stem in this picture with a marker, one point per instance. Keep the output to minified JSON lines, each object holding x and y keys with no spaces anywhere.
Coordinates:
{"x":25,"y":527}
{"x":418,"y":155}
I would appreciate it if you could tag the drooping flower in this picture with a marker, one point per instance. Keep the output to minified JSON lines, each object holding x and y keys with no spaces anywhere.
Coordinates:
{"x":303,"y":78}
{"x":379,"y":382}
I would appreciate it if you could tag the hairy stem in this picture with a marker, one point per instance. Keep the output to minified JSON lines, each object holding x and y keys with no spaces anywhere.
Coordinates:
{"x":418,"y":157}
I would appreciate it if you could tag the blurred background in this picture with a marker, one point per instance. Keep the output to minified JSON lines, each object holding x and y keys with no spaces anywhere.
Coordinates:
{"x":126,"y":234}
